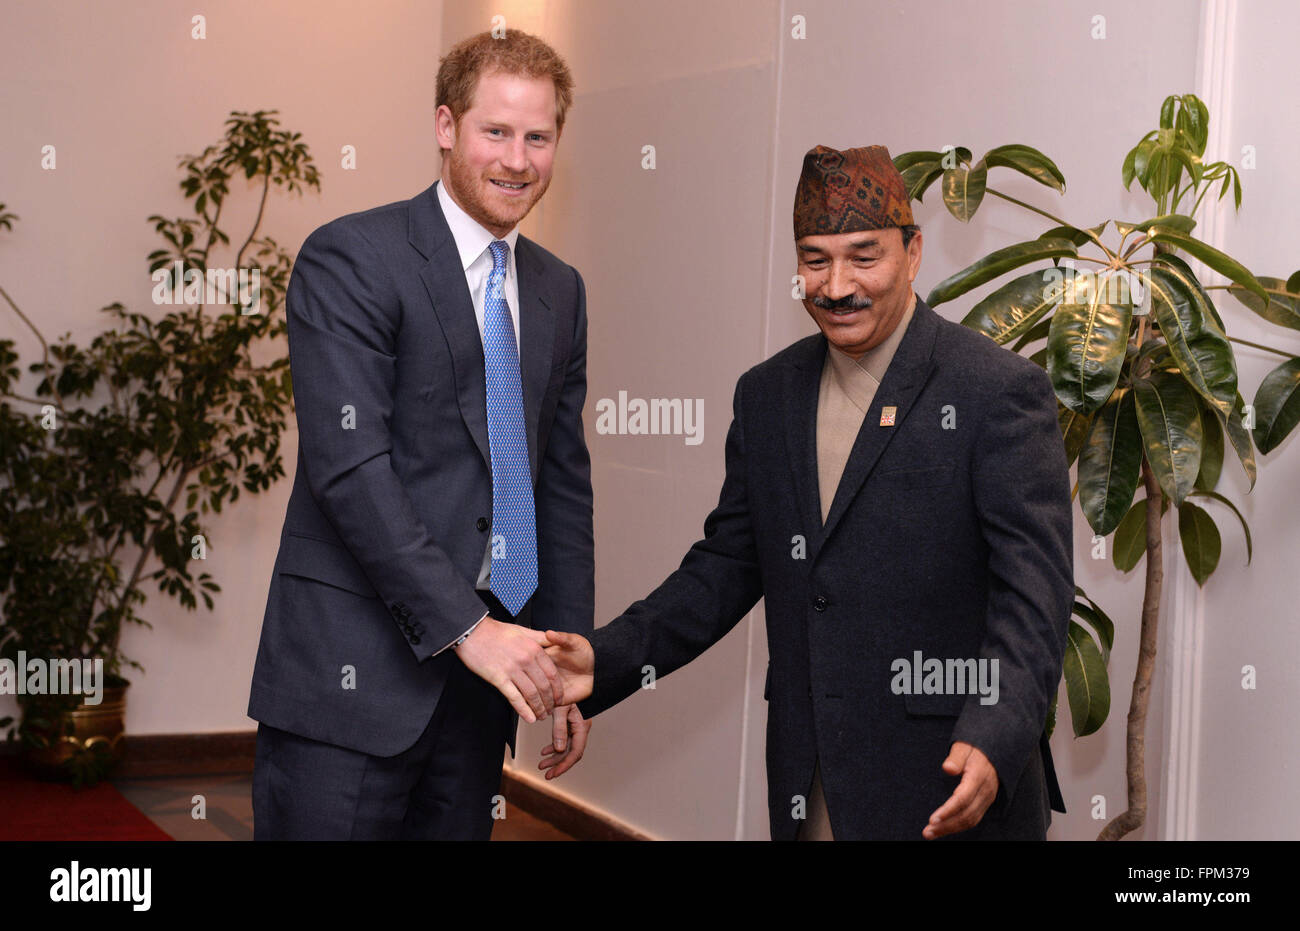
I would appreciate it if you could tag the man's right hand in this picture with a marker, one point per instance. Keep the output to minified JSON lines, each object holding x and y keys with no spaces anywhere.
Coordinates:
{"x":576,"y":661}
{"x":511,"y":658}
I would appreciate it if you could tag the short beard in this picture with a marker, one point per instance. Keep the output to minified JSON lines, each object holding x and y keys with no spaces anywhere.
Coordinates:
{"x":465,"y":183}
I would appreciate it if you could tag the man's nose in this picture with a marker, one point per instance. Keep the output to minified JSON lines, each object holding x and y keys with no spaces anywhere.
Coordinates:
{"x":839,"y":283}
{"x":515,"y":157}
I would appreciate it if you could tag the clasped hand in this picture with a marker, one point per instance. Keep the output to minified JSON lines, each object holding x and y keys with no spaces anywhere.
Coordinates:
{"x":539,"y":674}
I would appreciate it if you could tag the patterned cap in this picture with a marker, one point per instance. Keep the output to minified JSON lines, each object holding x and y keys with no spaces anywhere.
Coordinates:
{"x":844,"y":192}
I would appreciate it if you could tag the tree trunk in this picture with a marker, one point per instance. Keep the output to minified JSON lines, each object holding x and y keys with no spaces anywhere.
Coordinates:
{"x":1136,"y":815}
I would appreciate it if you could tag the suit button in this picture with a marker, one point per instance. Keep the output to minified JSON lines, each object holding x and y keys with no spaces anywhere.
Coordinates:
{"x":415,"y":641}
{"x":481,"y":524}
{"x":820,"y":603}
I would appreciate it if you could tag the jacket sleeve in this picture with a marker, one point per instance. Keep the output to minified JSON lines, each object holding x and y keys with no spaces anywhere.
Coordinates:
{"x":565,"y":597}
{"x":343,"y":322}
{"x":717,"y":584}
{"x":1021,"y":487}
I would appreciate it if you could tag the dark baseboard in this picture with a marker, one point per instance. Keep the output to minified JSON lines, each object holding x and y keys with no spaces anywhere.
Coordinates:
{"x":152,"y":755}
{"x":232,"y":753}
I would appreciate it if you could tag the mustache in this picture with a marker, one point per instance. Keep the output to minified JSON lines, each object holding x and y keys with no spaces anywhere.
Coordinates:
{"x":848,"y":302}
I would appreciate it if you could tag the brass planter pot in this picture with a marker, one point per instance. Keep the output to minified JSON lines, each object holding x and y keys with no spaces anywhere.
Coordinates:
{"x":86,"y":732}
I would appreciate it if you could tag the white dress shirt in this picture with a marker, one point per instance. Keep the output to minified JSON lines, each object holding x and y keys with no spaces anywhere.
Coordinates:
{"x":472,"y":241}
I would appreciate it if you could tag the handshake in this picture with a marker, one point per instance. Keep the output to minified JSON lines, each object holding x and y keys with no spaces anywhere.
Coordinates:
{"x":539,"y":674}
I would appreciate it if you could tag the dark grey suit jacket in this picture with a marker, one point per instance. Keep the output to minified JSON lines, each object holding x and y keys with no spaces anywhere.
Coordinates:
{"x":954,"y":542}
{"x":391,"y":503}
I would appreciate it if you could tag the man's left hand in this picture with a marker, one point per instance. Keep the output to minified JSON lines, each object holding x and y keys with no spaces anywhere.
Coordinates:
{"x":973,"y":795}
{"x":568,"y":741}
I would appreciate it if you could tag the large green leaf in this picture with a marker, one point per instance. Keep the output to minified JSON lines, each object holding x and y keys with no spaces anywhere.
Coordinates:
{"x":1036,"y":332}
{"x":1074,"y":430}
{"x":1177,"y":221}
{"x":1110,"y":463}
{"x":918,"y":178}
{"x":1240,"y":439}
{"x":1211,"y":451}
{"x":963,"y":189}
{"x":1086,"y":682}
{"x":1184,"y":271}
{"x":1250,"y":547}
{"x":1277,"y":405}
{"x":908,"y":159}
{"x":1028,"y":161}
{"x":1087,"y":341}
{"x":1170,"y":420}
{"x":1221,"y":262}
{"x":1103,"y":625}
{"x":1012,"y":309}
{"x":1130,"y":542}
{"x":1202,"y":352}
{"x":997,"y":263}
{"x":1284,"y":311}
{"x":1201,"y":542}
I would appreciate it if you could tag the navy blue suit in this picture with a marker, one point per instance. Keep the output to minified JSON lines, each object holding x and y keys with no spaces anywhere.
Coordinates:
{"x":950,"y":533}
{"x":392,"y":499}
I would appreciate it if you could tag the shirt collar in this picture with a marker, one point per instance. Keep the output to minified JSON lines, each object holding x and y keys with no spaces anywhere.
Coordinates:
{"x":472,"y":239}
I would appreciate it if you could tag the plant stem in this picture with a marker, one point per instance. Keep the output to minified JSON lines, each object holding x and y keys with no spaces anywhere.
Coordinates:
{"x":1246,"y":342}
{"x":45,"y":349}
{"x":1091,"y":235}
{"x":1135,"y":816}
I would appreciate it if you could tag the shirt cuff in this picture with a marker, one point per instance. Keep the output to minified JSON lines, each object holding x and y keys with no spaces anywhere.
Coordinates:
{"x":461,"y":639}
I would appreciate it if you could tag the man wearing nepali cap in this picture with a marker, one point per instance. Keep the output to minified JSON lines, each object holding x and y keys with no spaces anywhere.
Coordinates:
{"x":897,"y":490}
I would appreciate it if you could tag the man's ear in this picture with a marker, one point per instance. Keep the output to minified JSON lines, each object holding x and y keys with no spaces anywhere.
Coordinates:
{"x":444,"y":125}
{"x":914,"y":256}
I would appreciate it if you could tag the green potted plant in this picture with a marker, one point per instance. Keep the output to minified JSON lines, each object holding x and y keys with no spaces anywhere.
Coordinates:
{"x":1143,"y":369}
{"x":111,"y":462}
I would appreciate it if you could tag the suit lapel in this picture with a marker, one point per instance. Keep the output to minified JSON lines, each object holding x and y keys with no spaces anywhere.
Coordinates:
{"x":444,"y":280}
{"x":802,"y":380}
{"x":907,"y":374}
{"x":537,"y":333}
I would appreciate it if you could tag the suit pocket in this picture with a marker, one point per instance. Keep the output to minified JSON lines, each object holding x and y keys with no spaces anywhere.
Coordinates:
{"x":916,"y":478}
{"x":943,"y":706}
{"x":323,"y":562}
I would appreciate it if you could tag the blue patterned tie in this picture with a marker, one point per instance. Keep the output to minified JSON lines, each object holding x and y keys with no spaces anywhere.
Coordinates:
{"x":514,"y":529}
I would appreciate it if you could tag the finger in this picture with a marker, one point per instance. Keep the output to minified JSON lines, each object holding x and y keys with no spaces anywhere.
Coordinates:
{"x":530,"y":690}
{"x":545,"y":691}
{"x":579,"y":745}
{"x":560,"y":730}
{"x":958,"y":754}
{"x":535,"y":635}
{"x":562,"y":639}
{"x":553,"y":676}
{"x":517,"y":702}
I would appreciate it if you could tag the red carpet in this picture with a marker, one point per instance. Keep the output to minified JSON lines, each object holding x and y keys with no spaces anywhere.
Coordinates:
{"x":35,"y":810}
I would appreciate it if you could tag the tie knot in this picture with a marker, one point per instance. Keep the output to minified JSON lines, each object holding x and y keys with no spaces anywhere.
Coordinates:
{"x":500,"y":250}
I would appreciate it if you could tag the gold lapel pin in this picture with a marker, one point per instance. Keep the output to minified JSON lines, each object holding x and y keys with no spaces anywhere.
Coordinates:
{"x":887,"y":416}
